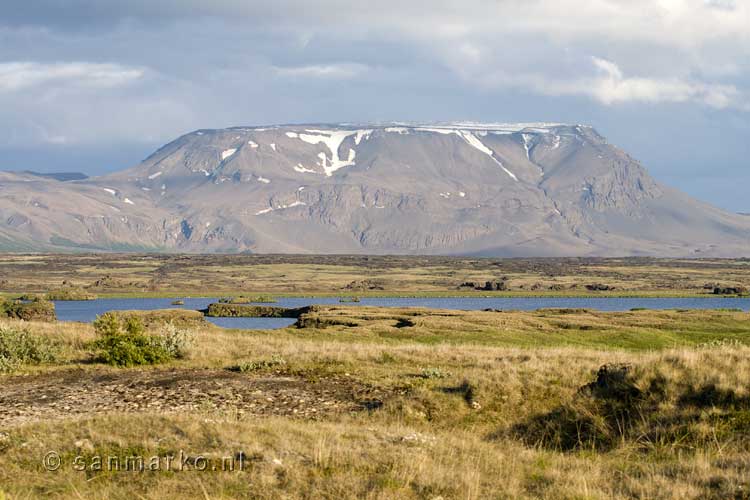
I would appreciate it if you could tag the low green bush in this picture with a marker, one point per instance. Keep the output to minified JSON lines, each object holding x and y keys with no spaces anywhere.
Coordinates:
{"x":20,"y":347}
{"x":64,"y":294}
{"x":430,"y":373}
{"x":124,"y":342}
{"x":275,"y":361}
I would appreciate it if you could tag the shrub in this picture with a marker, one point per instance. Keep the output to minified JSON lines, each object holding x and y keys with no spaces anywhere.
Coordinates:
{"x":430,"y":373}
{"x":123,"y":342}
{"x":19,"y":347}
{"x":69,"y":294}
{"x":36,"y":309}
{"x":111,"y":324}
{"x":175,"y":341}
{"x":275,"y":361}
{"x":125,"y":350}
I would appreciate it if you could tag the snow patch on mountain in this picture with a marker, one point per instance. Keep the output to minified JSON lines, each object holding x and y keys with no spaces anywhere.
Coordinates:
{"x":362,"y":134}
{"x":444,"y":131}
{"x":281,"y":206}
{"x":332,"y":139}
{"x":397,"y":130}
{"x":302,"y":169}
{"x":474,"y":142}
{"x":527,"y":144}
{"x":507,"y":128}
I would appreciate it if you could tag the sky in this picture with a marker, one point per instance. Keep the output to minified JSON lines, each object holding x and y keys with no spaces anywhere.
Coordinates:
{"x":96,"y":85}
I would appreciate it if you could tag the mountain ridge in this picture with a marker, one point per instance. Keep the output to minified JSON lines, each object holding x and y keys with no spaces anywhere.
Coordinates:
{"x":531,"y":189}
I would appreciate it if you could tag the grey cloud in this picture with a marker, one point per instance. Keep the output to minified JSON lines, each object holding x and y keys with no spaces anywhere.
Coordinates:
{"x":18,"y":76}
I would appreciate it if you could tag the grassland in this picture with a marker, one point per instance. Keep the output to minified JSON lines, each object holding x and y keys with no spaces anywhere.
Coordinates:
{"x":129,"y":275}
{"x":361,"y":402}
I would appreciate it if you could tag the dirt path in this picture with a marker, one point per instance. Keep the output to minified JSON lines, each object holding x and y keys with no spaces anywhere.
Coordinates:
{"x":83,"y":392}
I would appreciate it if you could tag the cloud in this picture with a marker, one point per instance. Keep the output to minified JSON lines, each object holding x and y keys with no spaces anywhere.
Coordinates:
{"x":82,"y":73}
{"x":613,"y":87}
{"x":605,"y":82}
{"x":73,"y":103}
{"x":338,"y":71}
{"x":17,"y":76}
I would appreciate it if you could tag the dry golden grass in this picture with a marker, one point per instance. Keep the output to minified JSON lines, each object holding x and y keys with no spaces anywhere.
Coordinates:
{"x":429,"y":439}
{"x":350,"y":459}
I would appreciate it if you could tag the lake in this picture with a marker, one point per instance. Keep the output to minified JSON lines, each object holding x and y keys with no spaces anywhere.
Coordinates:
{"x":87,"y":310}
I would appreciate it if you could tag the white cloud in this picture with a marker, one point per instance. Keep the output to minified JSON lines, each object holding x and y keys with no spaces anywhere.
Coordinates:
{"x":341,"y":71}
{"x":610,"y":86}
{"x":16,"y":76}
{"x":613,"y":87}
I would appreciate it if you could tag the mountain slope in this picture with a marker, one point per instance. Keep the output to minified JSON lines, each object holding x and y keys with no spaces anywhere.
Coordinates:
{"x":481,"y":189}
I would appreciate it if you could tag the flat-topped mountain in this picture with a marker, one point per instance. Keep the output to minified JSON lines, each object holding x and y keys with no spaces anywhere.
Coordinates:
{"x":532,"y":189}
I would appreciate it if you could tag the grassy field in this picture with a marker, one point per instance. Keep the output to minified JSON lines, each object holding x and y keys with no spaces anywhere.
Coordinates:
{"x":134,"y":275}
{"x":361,"y":402}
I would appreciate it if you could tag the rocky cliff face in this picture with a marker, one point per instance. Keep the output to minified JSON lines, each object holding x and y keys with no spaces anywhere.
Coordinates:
{"x":484,"y":189}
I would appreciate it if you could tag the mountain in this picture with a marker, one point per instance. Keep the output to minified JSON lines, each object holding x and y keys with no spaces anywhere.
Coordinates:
{"x":538,"y":189}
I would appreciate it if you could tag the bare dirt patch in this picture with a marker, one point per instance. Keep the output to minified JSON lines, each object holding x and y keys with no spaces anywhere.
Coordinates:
{"x":72,"y":393}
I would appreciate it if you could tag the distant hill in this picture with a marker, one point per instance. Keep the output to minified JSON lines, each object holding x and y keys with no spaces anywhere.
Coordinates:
{"x":540,"y":189}
{"x":60,"y":176}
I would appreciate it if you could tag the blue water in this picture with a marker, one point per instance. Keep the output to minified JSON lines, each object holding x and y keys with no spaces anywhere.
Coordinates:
{"x":87,"y":310}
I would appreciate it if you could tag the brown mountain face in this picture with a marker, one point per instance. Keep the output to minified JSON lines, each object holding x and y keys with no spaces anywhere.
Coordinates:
{"x":481,"y":189}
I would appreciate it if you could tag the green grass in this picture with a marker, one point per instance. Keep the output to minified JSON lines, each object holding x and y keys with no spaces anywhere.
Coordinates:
{"x":634,"y":331}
